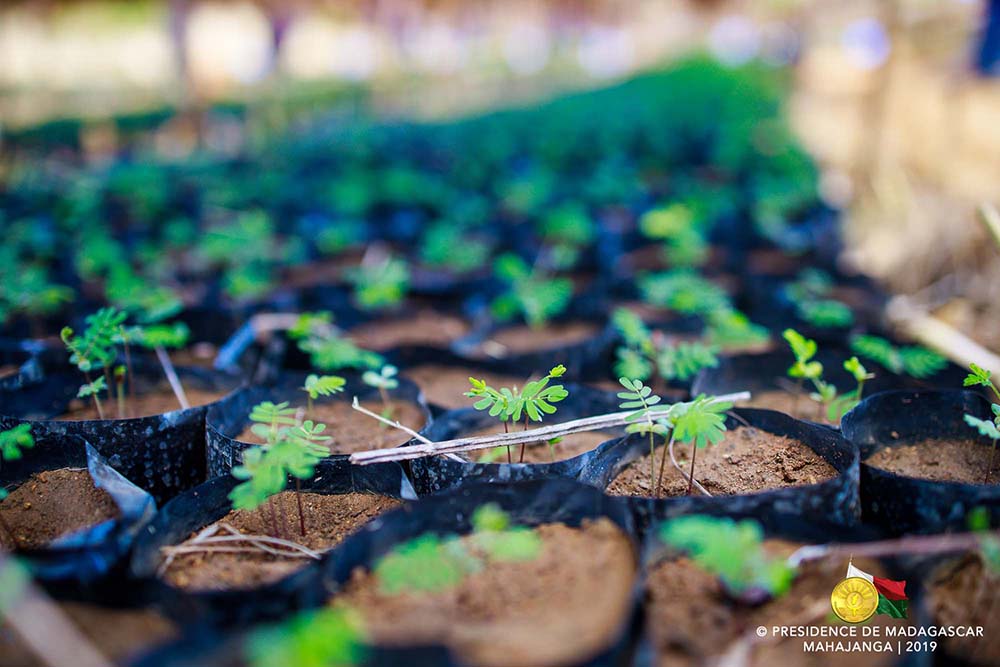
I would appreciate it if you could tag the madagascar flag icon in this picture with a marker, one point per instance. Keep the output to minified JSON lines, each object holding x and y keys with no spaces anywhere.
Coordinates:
{"x":891,"y":594}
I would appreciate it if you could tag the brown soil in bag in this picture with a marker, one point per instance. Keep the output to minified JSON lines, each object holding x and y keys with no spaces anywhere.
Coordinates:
{"x":800,"y":407}
{"x":748,"y":460}
{"x":570,"y":446}
{"x":353,"y":431}
{"x":693,"y":621}
{"x":561,"y":608}
{"x":446,"y":385}
{"x":940,"y":461}
{"x":147,"y":404}
{"x":522,"y":338}
{"x":424,"y":327}
{"x":52,"y":503}
{"x":329,"y":519}
{"x":119,"y":634}
{"x":964,"y":594}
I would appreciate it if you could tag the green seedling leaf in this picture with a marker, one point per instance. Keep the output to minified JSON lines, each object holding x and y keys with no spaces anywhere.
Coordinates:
{"x":14,"y":441}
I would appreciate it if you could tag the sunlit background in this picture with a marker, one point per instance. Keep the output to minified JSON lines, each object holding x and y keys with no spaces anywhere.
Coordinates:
{"x":893,"y":98}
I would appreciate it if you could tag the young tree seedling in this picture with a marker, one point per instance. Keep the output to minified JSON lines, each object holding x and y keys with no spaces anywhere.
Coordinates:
{"x":432,"y":563}
{"x":159,"y":337}
{"x":321,"y":385}
{"x":290,"y":449}
{"x":989,"y":428}
{"x":807,"y":368}
{"x":95,"y":351}
{"x":683,"y":291}
{"x":700,"y":422}
{"x":445,"y":245}
{"x":809,"y":293}
{"x":509,"y":403}
{"x":385,"y":380}
{"x":329,"y":637}
{"x":13,"y":442}
{"x":733,"y":552}
{"x":644,"y":421}
{"x":913,"y":360}
{"x":382,"y":284}
{"x":647,"y":354}
{"x":531,"y":292}
{"x":328,"y":349}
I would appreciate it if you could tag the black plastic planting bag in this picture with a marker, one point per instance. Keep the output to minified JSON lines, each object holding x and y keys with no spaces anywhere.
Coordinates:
{"x":586,"y":359}
{"x":432,"y":474}
{"x":227,"y":419}
{"x":201,"y":506}
{"x":527,"y":503}
{"x":85,"y":555}
{"x":777,"y":525}
{"x":901,"y":504}
{"x":164,"y":454}
{"x":834,"y":500}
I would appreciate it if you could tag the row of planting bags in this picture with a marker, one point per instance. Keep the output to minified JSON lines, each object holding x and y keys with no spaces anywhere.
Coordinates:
{"x":163,"y":461}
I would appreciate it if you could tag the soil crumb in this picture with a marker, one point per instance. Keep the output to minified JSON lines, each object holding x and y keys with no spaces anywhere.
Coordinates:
{"x":50,"y":504}
{"x":964,"y":594}
{"x":425,"y":327}
{"x":522,"y":338}
{"x":158,"y":402}
{"x":353,"y":431}
{"x":748,"y":460}
{"x":561,"y":608}
{"x":694,"y":622}
{"x":445,"y":386}
{"x":940,"y":460}
{"x":329,"y":519}
{"x":567,"y":448}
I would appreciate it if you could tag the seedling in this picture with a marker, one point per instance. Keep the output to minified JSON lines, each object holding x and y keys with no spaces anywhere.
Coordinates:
{"x":700,"y":422}
{"x":385,"y":380}
{"x":807,"y":368}
{"x":531,"y":292}
{"x":913,"y":360}
{"x":431,"y":563}
{"x":328,"y":349}
{"x":733,"y":552}
{"x":675,"y":225}
{"x":160,"y":337}
{"x":13,"y":442}
{"x":566,"y":230}
{"x":683,"y":291}
{"x":95,"y":351}
{"x":508,"y":403}
{"x":329,"y":637}
{"x":445,"y":245}
{"x":809,"y":293}
{"x":730,"y":329}
{"x":321,"y":385}
{"x":290,"y":449}
{"x":643,"y":421}
{"x":989,"y":428}
{"x":646,"y":354}
{"x":380,"y":285}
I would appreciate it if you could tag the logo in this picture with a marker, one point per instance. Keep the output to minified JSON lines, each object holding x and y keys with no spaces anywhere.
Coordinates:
{"x":854,"y":600}
{"x":859,"y":596}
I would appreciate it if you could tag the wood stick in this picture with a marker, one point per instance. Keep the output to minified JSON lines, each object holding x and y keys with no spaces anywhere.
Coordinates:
{"x":936,"y":334}
{"x":990,"y":217}
{"x":531,"y":436}
{"x":47,"y":631}
{"x":175,"y":382}
{"x":918,"y":544}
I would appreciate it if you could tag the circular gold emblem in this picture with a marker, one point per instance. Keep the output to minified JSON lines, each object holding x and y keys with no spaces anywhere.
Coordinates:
{"x":854,"y":600}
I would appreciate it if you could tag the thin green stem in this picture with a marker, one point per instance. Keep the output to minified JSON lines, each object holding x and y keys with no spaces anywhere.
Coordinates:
{"x":694,"y":455}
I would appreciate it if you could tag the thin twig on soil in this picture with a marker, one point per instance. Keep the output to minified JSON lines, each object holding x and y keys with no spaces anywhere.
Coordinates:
{"x":395,"y":424}
{"x":208,"y":540}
